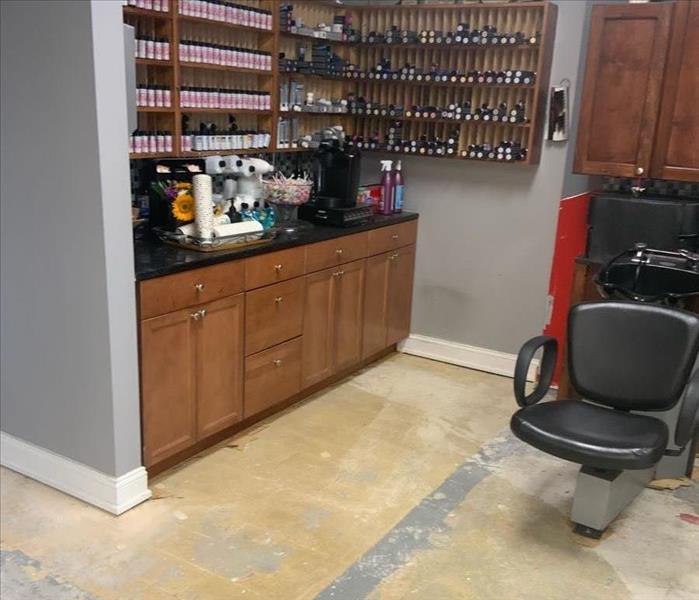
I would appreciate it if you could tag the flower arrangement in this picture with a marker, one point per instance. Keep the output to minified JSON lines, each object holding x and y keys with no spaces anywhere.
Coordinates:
{"x":178,"y":194}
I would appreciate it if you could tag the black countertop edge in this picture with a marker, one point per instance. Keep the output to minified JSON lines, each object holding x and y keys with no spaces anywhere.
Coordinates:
{"x":154,"y":258}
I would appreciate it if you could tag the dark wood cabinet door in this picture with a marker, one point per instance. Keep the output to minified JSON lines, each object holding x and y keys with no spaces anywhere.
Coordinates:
{"x":349,"y":302}
{"x":219,"y":364}
{"x":317,"y":352}
{"x":167,"y":385}
{"x":676,"y":155}
{"x":626,"y":56}
{"x":375,"y":304}
{"x":400,"y":294}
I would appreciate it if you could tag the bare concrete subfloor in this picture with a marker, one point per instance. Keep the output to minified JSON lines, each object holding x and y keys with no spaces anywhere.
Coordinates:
{"x":399,"y":482}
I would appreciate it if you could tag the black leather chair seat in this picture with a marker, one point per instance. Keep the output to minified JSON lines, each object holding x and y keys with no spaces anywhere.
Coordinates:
{"x":592,"y":435}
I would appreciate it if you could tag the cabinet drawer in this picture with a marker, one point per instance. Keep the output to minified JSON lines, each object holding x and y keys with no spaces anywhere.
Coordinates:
{"x":274,"y":267}
{"x":330,"y":253}
{"x":392,"y":237}
{"x":173,"y":292}
{"x":272,"y":376}
{"x":273,"y":314}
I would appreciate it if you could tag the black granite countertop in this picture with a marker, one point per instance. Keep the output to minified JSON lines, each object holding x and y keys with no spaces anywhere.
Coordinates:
{"x":153,"y":258}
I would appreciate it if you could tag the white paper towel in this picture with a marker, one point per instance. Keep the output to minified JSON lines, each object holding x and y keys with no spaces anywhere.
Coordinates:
{"x":203,"y":206}
{"x":238,"y":228}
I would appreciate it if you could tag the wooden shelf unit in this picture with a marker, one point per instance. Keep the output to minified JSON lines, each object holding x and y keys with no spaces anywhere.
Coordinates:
{"x":529,"y":17}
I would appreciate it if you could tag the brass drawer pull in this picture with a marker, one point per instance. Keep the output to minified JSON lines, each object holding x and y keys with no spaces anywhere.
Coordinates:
{"x":278,"y":268}
{"x":277,"y":362}
{"x":393,"y":256}
{"x":199,"y":287}
{"x":279,"y":299}
{"x":338,"y":251}
{"x":338,"y":273}
{"x":198,"y":315}
{"x":394,"y":236}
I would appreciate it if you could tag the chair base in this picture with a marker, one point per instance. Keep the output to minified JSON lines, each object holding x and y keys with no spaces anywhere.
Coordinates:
{"x":601,"y":494}
{"x":672,"y":467}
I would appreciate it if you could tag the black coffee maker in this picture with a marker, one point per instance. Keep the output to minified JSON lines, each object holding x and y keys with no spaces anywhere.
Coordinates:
{"x":336,"y":175}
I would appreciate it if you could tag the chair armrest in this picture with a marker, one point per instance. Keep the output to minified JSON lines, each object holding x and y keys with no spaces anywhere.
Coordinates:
{"x":548,"y":364}
{"x":688,"y":418}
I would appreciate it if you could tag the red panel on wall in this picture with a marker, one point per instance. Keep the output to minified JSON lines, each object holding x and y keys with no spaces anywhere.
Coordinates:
{"x":571,"y":241}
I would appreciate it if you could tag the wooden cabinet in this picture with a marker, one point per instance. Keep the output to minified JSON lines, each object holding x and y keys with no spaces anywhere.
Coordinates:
{"x":400,"y":294}
{"x":173,"y":292}
{"x":375,"y":304}
{"x":332,"y":332}
{"x":191,"y":375}
{"x":273,"y":314}
{"x":272,"y":376}
{"x":219,"y":365}
{"x":387,"y":299}
{"x":319,"y":316}
{"x":349,"y":302}
{"x":332,"y":253}
{"x":626,"y":56}
{"x":676,"y":154}
{"x":215,"y":357}
{"x":274,"y":267}
{"x":168,"y":408}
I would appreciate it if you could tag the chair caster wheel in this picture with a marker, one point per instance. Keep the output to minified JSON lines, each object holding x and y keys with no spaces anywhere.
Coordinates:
{"x":588,"y":532}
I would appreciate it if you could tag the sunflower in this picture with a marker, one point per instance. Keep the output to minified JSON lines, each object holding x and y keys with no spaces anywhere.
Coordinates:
{"x":183,"y":207}
{"x":184,"y":185}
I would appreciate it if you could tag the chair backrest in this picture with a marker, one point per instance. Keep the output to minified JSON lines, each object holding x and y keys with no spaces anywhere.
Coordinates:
{"x":630,"y":355}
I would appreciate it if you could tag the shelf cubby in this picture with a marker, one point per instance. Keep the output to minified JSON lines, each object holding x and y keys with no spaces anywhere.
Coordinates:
{"x":536,"y":20}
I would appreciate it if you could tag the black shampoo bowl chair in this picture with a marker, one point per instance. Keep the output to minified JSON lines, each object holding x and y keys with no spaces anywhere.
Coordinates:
{"x":622,"y":357}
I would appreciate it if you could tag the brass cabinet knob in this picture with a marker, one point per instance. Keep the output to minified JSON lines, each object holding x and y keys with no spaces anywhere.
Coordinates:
{"x":279,"y":299}
{"x":199,"y":287}
{"x":198,"y":315}
{"x":393,"y":256}
{"x":278,"y":268}
{"x":338,"y":251}
{"x":394,"y":236}
{"x":338,"y":273}
{"x":639,"y":171}
{"x":277,"y":362}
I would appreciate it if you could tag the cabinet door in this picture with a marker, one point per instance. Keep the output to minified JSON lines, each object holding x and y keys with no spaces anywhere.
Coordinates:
{"x":400,"y":294}
{"x":621,"y":94}
{"x":274,"y":314}
{"x":318,"y":327}
{"x":272,"y":376}
{"x":676,"y":155}
{"x":219,"y":364}
{"x":375,"y":303}
{"x":349,"y":301}
{"x":167,"y":385}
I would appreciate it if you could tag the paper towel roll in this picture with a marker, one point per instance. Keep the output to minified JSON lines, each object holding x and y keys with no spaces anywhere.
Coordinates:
{"x":238,"y":228}
{"x":203,"y":206}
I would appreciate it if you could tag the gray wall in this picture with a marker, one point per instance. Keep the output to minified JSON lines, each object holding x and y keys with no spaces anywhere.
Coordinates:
{"x":68,"y":350}
{"x":486,"y":233}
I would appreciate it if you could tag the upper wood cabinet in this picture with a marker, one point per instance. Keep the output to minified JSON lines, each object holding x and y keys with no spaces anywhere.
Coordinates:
{"x":676,"y":155}
{"x":626,"y":58}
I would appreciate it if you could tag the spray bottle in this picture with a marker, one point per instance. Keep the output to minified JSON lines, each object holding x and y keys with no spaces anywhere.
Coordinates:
{"x":398,"y":186}
{"x":386,"y":202}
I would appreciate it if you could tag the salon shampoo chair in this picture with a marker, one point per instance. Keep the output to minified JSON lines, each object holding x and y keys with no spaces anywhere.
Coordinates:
{"x":622,"y":357}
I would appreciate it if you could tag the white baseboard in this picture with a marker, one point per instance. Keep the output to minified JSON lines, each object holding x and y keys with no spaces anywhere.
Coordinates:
{"x":473,"y":357}
{"x":113,"y":494}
